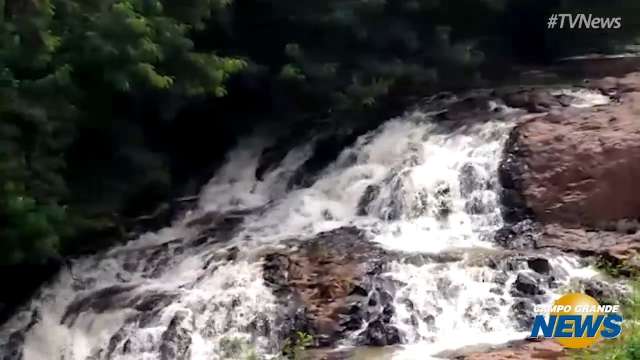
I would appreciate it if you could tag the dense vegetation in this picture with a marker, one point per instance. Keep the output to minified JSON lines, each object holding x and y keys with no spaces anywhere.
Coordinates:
{"x":109,"y":106}
{"x":627,"y":346}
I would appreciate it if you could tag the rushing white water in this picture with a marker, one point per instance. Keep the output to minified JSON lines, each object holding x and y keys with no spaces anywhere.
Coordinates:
{"x":164,"y":296}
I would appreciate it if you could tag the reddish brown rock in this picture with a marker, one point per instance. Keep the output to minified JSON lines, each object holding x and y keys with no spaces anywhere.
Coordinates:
{"x":522,"y":350}
{"x":534,"y":100}
{"x":331,"y":279}
{"x":614,"y":85}
{"x":581,"y":167}
{"x":617,"y":248}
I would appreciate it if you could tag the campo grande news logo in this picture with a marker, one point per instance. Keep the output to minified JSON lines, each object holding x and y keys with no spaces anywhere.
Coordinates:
{"x":577,"y":321}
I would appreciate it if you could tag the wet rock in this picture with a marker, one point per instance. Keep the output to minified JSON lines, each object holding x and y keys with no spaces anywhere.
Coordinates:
{"x":275,"y":273}
{"x":520,"y":235}
{"x":416,"y":155}
{"x":98,"y":301}
{"x":522,"y":313}
{"x":420,"y":204}
{"x":510,"y":176}
{"x":332,"y":279}
{"x":327,"y":149}
{"x":603,"y":292}
{"x":216,"y":227}
{"x":354,"y":319}
{"x":475,"y":206}
{"x":613,"y":86}
{"x":148,"y":303}
{"x":430,"y":320}
{"x":210,"y":219}
{"x":473,"y":106}
{"x":378,"y":333}
{"x":232,"y":253}
{"x":515,"y":350}
{"x":533,"y":100}
{"x":13,"y":348}
{"x":396,"y":204}
{"x":539,"y":265}
{"x":331,"y":354}
{"x":159,"y":217}
{"x":126,"y":347}
{"x":469,"y":179}
{"x":151,"y":300}
{"x":260,"y":326}
{"x":176,"y":339}
{"x":527,"y":285}
{"x":370,"y":194}
{"x":359,"y":291}
{"x":115,"y":340}
{"x":271,"y":158}
{"x":327,"y":215}
{"x":621,"y":251}
{"x":443,"y":201}
{"x":501,"y":278}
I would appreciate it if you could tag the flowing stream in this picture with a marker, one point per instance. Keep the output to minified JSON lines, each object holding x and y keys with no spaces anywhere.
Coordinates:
{"x":432,"y":189}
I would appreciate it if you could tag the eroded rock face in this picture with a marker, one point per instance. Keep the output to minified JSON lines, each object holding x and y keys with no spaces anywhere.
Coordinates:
{"x":332,"y":288}
{"x":580,"y":166}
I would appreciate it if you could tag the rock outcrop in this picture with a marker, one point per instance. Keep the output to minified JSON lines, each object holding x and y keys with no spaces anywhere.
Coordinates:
{"x":618,"y":249}
{"x":579,"y":166}
{"x":332,"y":287}
{"x":520,"y":350}
{"x":573,"y":171}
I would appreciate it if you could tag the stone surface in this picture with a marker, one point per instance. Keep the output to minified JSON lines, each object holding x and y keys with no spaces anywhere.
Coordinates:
{"x":571,"y":173}
{"x":580,"y":166}
{"x":616,"y":85}
{"x":617,"y":248}
{"x":521,"y":350}
{"x":332,"y":285}
{"x":532,"y":99}
{"x":527,"y":285}
{"x":176,"y":340}
{"x":539,"y":265}
{"x":370,"y":194}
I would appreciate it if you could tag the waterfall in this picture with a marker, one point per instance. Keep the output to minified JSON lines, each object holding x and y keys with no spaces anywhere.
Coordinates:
{"x":415,"y":186}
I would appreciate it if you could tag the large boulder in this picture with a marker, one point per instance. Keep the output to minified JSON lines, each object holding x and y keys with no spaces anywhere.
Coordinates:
{"x":579,"y":166}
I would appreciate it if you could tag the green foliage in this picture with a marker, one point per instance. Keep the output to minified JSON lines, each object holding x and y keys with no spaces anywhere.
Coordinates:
{"x":62,"y":62}
{"x":295,"y":346}
{"x":616,"y":270}
{"x":343,"y":57}
{"x":240,"y":348}
{"x":29,"y":231}
{"x":625,"y":347}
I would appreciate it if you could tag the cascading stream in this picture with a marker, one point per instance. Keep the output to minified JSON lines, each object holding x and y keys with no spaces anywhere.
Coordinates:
{"x":415,"y":186}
